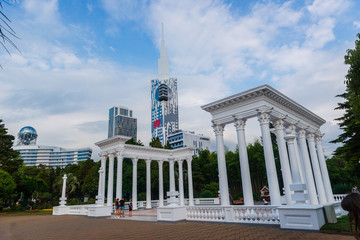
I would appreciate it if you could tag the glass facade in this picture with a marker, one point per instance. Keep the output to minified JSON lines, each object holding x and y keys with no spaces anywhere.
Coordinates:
{"x":34,"y":155}
{"x":122,"y":123}
{"x":164,"y":108}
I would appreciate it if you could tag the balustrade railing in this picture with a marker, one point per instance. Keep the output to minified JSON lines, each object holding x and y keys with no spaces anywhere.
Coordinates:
{"x":257,"y":214}
{"x":208,"y":213}
{"x":242,"y":214}
{"x":339,"y":197}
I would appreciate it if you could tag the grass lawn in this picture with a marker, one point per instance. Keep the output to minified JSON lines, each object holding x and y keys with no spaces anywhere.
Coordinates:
{"x":24,"y":213}
{"x":342,"y":225}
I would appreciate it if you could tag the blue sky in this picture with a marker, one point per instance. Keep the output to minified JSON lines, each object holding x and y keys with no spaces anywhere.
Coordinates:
{"x":79,"y":58}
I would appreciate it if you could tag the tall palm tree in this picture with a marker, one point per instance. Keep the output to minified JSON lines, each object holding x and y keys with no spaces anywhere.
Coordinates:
{"x":72,"y":184}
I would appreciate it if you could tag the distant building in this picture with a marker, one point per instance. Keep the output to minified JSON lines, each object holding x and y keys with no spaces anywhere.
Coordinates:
{"x":164,"y":99}
{"x":181,"y":139}
{"x":34,"y":155}
{"x":122,"y":122}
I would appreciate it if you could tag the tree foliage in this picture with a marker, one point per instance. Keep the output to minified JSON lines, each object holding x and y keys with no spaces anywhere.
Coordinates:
{"x":350,"y":121}
{"x":156,"y":143}
{"x":9,"y":158}
{"x":7,"y":185}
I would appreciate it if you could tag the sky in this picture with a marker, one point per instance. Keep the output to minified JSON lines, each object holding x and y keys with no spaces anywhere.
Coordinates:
{"x":80,"y":58}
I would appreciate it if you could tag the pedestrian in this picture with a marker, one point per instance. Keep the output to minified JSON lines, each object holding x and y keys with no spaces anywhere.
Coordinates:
{"x":351,"y":203}
{"x":130,"y":208}
{"x":122,"y":207}
{"x":117,"y":208}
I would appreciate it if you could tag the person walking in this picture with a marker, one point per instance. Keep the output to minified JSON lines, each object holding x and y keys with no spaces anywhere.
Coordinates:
{"x":351,"y":203}
{"x":130,"y":208}
{"x":122,"y":207}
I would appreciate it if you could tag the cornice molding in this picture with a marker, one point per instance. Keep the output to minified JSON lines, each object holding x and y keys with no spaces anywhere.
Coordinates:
{"x":269,"y":94}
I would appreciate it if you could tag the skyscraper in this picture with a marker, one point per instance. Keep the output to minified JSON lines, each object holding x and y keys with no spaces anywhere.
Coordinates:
{"x":164,"y":99}
{"x":122,"y":122}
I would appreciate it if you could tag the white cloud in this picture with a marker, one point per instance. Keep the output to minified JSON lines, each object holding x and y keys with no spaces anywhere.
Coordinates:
{"x":44,"y":12}
{"x":321,"y":33}
{"x":356,"y":24}
{"x":325,"y":8}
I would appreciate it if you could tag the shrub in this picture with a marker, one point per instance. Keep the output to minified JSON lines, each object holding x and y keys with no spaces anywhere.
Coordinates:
{"x":207,"y":194}
{"x":341,"y":188}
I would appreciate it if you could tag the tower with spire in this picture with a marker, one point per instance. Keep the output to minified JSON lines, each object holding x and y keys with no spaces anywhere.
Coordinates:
{"x":164,"y":98}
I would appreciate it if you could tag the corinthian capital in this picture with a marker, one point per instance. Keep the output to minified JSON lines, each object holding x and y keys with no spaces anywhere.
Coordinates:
{"x":279,"y":124}
{"x":218,"y":128}
{"x":302,"y":133}
{"x":240,"y":124}
{"x":264,"y":118}
{"x":311,"y":137}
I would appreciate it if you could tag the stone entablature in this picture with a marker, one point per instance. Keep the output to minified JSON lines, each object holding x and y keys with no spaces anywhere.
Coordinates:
{"x":264,"y":98}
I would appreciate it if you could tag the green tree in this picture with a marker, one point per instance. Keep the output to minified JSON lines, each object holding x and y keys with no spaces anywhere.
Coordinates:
{"x":156,"y":143}
{"x":350,"y":121}
{"x":72,"y":184}
{"x":7,"y":185}
{"x":133,"y":142}
{"x":91,"y":181}
{"x":10,"y":160}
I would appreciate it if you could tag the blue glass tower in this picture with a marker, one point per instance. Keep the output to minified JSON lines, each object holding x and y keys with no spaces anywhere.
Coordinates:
{"x":164,"y":99}
{"x":122,"y":122}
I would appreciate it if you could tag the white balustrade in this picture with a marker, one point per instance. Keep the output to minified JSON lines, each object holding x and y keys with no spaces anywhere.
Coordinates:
{"x":339,"y":197}
{"x":242,"y":214}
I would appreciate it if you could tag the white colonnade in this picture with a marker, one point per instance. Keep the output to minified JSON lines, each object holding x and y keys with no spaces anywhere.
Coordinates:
{"x":304,"y":171}
{"x":115,"y":147}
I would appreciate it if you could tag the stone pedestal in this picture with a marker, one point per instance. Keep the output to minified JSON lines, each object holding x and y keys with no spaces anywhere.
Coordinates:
{"x":172,"y":214}
{"x":305,"y":217}
{"x":99,"y":211}
{"x":60,"y":210}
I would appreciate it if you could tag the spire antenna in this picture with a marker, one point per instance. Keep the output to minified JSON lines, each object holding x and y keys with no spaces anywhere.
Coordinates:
{"x":163,"y":62}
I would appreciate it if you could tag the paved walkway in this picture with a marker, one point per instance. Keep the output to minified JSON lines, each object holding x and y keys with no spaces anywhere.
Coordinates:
{"x":80,"y":227}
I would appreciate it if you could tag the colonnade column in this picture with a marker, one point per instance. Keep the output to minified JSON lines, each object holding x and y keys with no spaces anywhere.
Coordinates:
{"x":290,"y":139}
{"x":119,"y":175}
{"x":99,"y":197}
{"x":310,"y":184}
{"x":190,"y":181}
{"x":300,"y":163}
{"x":161,"y":184}
{"x":316,"y":168}
{"x":148,"y":183}
{"x":181,"y":182}
{"x":264,"y":119}
{"x":324,"y":170}
{"x":244,"y":163}
{"x":134,"y":184}
{"x":284,"y":159}
{"x":171,"y":175}
{"x":299,"y":197}
{"x":110,"y":180}
{"x":103,"y":166}
{"x":223,"y":182}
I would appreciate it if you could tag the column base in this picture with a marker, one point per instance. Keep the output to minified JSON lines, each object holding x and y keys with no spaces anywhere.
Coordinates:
{"x":171,"y":214}
{"x":305,"y":217}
